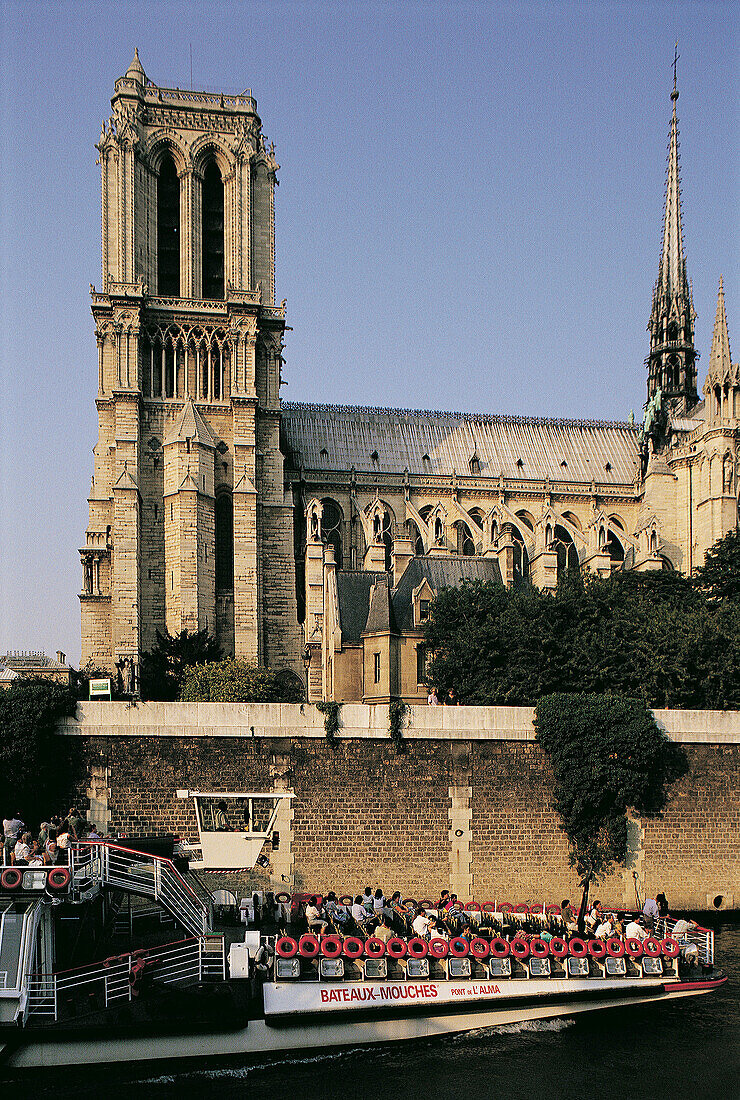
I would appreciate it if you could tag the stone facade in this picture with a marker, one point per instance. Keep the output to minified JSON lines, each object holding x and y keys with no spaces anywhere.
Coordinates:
{"x":466,"y":806}
{"x":214,"y":505}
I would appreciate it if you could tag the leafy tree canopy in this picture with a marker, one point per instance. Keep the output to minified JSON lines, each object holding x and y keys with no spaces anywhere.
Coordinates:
{"x":608,"y":756}
{"x":34,"y":765}
{"x":652,"y":636}
{"x":163,"y":667}
{"x":238,"y":681}
{"x":719,"y":577}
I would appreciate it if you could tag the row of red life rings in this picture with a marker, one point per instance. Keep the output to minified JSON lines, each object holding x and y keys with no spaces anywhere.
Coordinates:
{"x":12,"y":877}
{"x":471,"y":907}
{"x":352,"y":947}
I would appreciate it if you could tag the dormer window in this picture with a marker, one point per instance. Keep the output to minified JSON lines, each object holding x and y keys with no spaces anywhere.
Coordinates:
{"x":324,"y":454}
{"x":519,"y":463}
{"x":475,"y":466}
{"x":564,"y":465}
{"x":426,"y":463}
{"x":424,"y":606}
{"x":608,"y":467}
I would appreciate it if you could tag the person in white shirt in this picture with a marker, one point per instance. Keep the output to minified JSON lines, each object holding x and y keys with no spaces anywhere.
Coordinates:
{"x":359,"y":912}
{"x":635,"y":930}
{"x":315,"y":921}
{"x":689,"y":950}
{"x":604,"y":930}
{"x":421,"y":924}
{"x":378,"y":901}
{"x":367,"y":901}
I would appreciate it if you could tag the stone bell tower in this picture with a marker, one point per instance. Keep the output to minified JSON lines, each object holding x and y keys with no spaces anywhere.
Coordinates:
{"x":190,"y":527}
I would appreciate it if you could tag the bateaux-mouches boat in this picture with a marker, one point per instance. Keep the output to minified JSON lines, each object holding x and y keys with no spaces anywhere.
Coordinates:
{"x":238,"y":992}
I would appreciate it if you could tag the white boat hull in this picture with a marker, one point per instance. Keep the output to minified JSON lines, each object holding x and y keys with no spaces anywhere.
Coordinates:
{"x":288,"y":1033}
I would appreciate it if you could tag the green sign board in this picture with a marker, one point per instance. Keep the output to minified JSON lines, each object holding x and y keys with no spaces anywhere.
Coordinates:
{"x":100,"y":689}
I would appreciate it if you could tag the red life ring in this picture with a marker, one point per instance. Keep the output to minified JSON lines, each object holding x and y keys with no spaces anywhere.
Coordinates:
{"x":489,"y":907}
{"x":346,"y":900}
{"x":58,"y":878}
{"x":353,"y":947}
{"x":596,"y":949}
{"x":577,"y":948}
{"x":671,"y":948}
{"x":459,"y":947}
{"x":473,"y":907}
{"x":633,"y":947}
{"x":651,"y":947}
{"x":410,"y":902}
{"x":425,"y":903}
{"x":286,"y":947}
{"x":396,"y":947}
{"x":479,"y":948}
{"x":614,"y":948}
{"x":374,"y":948}
{"x":558,"y":947}
{"x":521,"y":908}
{"x":505,"y":907}
{"x":520,"y":949}
{"x":417,"y":948}
{"x":499,"y":948}
{"x":331,"y":947}
{"x":11,"y":878}
{"x":554,"y":909}
{"x":540,"y":949}
{"x":282,"y":897}
{"x":308,"y":946}
{"x":438,"y":948}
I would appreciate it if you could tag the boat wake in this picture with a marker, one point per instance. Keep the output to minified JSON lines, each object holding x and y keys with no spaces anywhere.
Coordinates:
{"x":516,"y":1028}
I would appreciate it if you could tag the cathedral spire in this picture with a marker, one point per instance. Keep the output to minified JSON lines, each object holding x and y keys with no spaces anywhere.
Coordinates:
{"x":671,"y":362}
{"x":720,"y":360}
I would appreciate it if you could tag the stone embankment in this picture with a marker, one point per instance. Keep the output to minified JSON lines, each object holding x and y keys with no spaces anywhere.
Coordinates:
{"x":466,"y":806}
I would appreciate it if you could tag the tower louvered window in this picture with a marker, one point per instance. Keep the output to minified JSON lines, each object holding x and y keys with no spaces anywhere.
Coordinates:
{"x":213,"y":232}
{"x":168,"y":230}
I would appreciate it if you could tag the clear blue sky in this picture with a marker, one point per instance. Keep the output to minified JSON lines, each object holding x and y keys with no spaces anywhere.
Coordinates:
{"x":468,"y":216}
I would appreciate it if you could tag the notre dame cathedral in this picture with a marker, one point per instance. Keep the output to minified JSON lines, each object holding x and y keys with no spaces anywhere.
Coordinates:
{"x":312,"y":538}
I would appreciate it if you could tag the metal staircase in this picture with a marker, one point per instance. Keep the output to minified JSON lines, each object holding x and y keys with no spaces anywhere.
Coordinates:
{"x":98,"y":863}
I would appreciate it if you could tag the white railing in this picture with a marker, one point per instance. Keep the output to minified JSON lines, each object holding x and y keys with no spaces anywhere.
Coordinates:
{"x":202,"y":958}
{"x":702,"y":937}
{"x":140,"y":873}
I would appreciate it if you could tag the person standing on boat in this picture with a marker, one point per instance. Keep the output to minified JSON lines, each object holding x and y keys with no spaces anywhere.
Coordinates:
{"x":220,"y":819}
{"x":12,"y":828}
{"x":651,"y":912}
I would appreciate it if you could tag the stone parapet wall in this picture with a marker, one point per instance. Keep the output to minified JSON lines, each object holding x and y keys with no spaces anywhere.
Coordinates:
{"x":366,"y":814}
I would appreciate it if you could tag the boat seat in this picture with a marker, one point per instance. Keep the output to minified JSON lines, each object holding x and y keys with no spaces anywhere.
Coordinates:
{"x":374,"y":970}
{"x":576,"y":968}
{"x":499,"y":968}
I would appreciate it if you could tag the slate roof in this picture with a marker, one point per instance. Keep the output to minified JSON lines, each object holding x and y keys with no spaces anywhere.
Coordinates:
{"x":441,"y":443}
{"x":355,"y":590}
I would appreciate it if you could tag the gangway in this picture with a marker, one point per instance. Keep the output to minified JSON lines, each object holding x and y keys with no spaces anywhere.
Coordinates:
{"x":19,"y":920}
{"x":98,"y":863}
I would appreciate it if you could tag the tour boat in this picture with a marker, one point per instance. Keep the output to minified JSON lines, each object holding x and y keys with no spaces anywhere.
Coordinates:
{"x":197,"y":997}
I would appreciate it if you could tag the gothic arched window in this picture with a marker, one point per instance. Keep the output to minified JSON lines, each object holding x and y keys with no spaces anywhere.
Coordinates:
{"x":168,"y":229}
{"x":213,"y":232}
{"x":224,"y":543}
{"x":331,"y":528}
{"x":465,"y":543}
{"x":521,"y":557}
{"x":565,"y":548}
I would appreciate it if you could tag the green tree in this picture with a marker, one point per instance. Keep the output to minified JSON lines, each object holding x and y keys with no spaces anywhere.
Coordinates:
{"x":238,"y":681}
{"x":608,"y":757}
{"x":719,"y":576}
{"x":35,"y":765}
{"x":163,"y":667}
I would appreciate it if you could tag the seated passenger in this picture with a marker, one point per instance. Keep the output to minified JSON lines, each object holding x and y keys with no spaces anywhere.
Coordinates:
{"x":51,"y":856}
{"x":689,"y":950}
{"x":359,"y":912}
{"x":437,"y":930}
{"x":22,"y":850}
{"x":35,"y":856}
{"x":400,"y":914}
{"x":220,"y":819}
{"x":421,"y":922}
{"x":636,"y":930}
{"x":568,"y":916}
{"x":336,"y":913}
{"x":604,"y":930}
{"x":314,"y":919}
{"x":368,"y":901}
{"x":593,"y":917}
{"x":444,"y":901}
{"x":378,"y":901}
{"x":384,"y":931}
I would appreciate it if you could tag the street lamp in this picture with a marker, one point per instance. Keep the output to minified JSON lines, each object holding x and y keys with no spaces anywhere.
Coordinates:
{"x":307,"y":665}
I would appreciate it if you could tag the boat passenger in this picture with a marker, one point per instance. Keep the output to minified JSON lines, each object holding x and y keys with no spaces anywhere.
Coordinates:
{"x":689,"y":950}
{"x":444,"y":901}
{"x":359,"y":912}
{"x":63,"y":840}
{"x":604,"y":930}
{"x":398,"y":913}
{"x":593,"y":917}
{"x":75,"y":823}
{"x":384,"y":931}
{"x":13,"y":828}
{"x":568,"y":916}
{"x":421,"y":922}
{"x":43,"y":834}
{"x":651,"y":912}
{"x":22,"y":850}
{"x":51,"y":855}
{"x":336,"y":913}
{"x":378,"y":901}
{"x":368,"y":901}
{"x":220,"y":819}
{"x":437,"y":930}
{"x":636,"y":930}
{"x":314,"y":919}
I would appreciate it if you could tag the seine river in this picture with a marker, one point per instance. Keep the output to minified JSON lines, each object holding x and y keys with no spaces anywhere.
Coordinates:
{"x":689,"y":1049}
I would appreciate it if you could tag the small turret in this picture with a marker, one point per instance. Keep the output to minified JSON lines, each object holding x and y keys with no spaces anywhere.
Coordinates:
{"x":722,"y":385}
{"x":135,"y":70}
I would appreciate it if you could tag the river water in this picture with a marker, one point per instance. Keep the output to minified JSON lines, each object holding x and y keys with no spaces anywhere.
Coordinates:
{"x":688,"y":1049}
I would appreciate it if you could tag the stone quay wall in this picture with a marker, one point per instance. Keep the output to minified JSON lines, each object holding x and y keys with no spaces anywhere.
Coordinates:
{"x":466,"y":806}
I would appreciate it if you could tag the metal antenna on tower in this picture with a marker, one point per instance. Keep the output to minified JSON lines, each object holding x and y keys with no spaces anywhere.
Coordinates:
{"x":676,"y":56}
{"x":191,"y":66}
